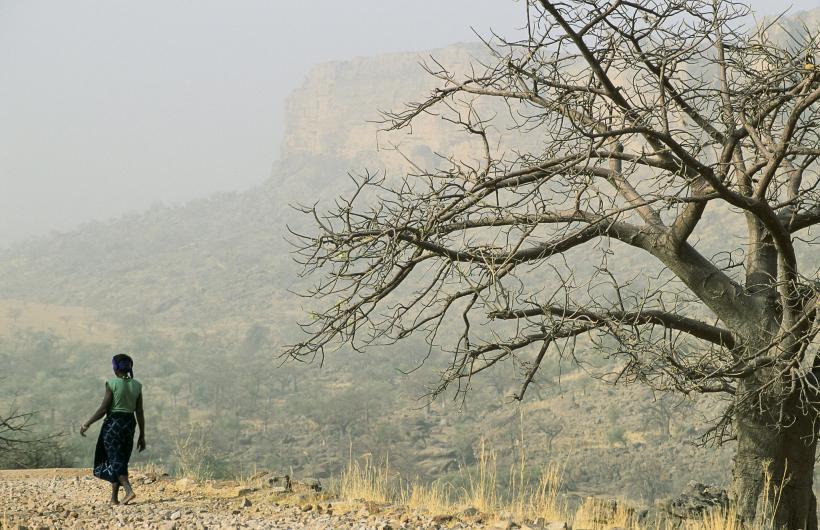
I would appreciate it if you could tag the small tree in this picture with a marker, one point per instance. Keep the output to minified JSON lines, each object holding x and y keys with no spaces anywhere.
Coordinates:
{"x":631,"y":119}
{"x":18,"y":448}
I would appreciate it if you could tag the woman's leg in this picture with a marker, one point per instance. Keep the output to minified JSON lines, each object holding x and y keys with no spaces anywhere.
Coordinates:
{"x":115,"y":493}
{"x":129,"y":492}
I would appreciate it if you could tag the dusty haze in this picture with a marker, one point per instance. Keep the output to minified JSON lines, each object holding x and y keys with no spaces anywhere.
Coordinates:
{"x":107,"y":107}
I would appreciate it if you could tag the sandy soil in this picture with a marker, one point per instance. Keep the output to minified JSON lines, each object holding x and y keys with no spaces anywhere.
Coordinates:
{"x":72,"y":498}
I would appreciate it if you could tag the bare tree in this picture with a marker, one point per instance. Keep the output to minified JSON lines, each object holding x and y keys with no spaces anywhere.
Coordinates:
{"x":640,"y":126}
{"x":17,"y":447}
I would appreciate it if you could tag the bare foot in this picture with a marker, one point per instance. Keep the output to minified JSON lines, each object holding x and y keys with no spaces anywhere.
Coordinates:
{"x":129,"y":497}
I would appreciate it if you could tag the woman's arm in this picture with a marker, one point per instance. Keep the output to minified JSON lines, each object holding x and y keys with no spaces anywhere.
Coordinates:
{"x":141,"y":423}
{"x":106,"y":404}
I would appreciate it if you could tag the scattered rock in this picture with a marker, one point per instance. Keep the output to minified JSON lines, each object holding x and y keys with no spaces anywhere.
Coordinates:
{"x":245,"y":503}
{"x":470,"y":512}
{"x":442,"y":518}
{"x":308,"y":484}
{"x":695,"y":500}
{"x":554,"y":525}
{"x":279,"y":482}
{"x":184,"y":484}
{"x":503,"y":524}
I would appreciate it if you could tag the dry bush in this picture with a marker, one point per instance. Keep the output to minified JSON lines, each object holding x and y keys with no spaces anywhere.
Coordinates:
{"x":194,"y":459}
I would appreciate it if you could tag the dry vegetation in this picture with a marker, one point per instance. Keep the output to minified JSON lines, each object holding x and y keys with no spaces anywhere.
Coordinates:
{"x":541,"y":503}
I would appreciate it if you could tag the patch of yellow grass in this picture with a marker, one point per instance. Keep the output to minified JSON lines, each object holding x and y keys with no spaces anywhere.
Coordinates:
{"x":367,"y":481}
{"x":434,"y":498}
{"x":482,"y":488}
{"x":717,"y":520}
{"x":151,"y":468}
{"x":545,"y":500}
{"x":599,"y":514}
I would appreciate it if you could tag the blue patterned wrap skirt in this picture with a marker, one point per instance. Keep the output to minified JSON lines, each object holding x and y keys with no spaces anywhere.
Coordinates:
{"x":114,"y":446}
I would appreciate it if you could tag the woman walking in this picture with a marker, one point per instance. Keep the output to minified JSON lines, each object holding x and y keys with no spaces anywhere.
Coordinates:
{"x":122,"y":401}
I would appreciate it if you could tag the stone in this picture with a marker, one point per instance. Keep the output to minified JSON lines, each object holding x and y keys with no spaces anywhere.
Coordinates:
{"x":240,"y":491}
{"x":503,"y":524}
{"x":176,"y":515}
{"x":245,"y":503}
{"x":168,"y":525}
{"x":443,"y":518}
{"x":695,"y":500}
{"x":555,"y":525}
{"x":184,"y":484}
{"x":313,"y":484}
{"x":470,"y":511}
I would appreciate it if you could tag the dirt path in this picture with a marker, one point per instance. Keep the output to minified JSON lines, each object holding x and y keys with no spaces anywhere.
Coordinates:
{"x":72,"y":498}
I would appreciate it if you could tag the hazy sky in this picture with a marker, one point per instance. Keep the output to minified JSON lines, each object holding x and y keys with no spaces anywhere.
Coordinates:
{"x":108,"y":106}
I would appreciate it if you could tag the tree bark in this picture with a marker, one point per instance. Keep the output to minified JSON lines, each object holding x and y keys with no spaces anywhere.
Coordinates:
{"x":774,"y":468}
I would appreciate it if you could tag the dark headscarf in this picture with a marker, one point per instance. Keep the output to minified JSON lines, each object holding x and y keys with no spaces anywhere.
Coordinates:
{"x":123,"y":363}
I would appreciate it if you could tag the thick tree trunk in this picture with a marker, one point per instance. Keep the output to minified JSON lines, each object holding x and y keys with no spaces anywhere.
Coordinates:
{"x":774,"y":468}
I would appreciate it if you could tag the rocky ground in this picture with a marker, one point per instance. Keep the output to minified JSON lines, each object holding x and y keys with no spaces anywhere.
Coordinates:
{"x":71,"y":498}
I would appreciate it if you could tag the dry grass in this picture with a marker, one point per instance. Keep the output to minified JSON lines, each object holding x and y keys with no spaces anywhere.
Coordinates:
{"x":716,"y":520}
{"x":599,"y":514}
{"x":193,"y":457}
{"x":151,"y":468}
{"x":434,"y":498}
{"x":482,"y":488}
{"x":545,"y":500}
{"x":367,"y":481}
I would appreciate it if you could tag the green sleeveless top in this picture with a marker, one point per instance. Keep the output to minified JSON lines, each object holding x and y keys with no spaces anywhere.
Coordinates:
{"x":126,"y":392}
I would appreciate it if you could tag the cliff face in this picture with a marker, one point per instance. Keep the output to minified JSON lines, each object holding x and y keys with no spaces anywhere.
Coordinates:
{"x":334,"y":113}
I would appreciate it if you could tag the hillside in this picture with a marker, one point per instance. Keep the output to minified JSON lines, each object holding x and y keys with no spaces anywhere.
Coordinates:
{"x":200,"y":294}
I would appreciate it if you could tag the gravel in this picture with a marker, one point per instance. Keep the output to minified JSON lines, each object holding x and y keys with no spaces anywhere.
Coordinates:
{"x":73,"y":499}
